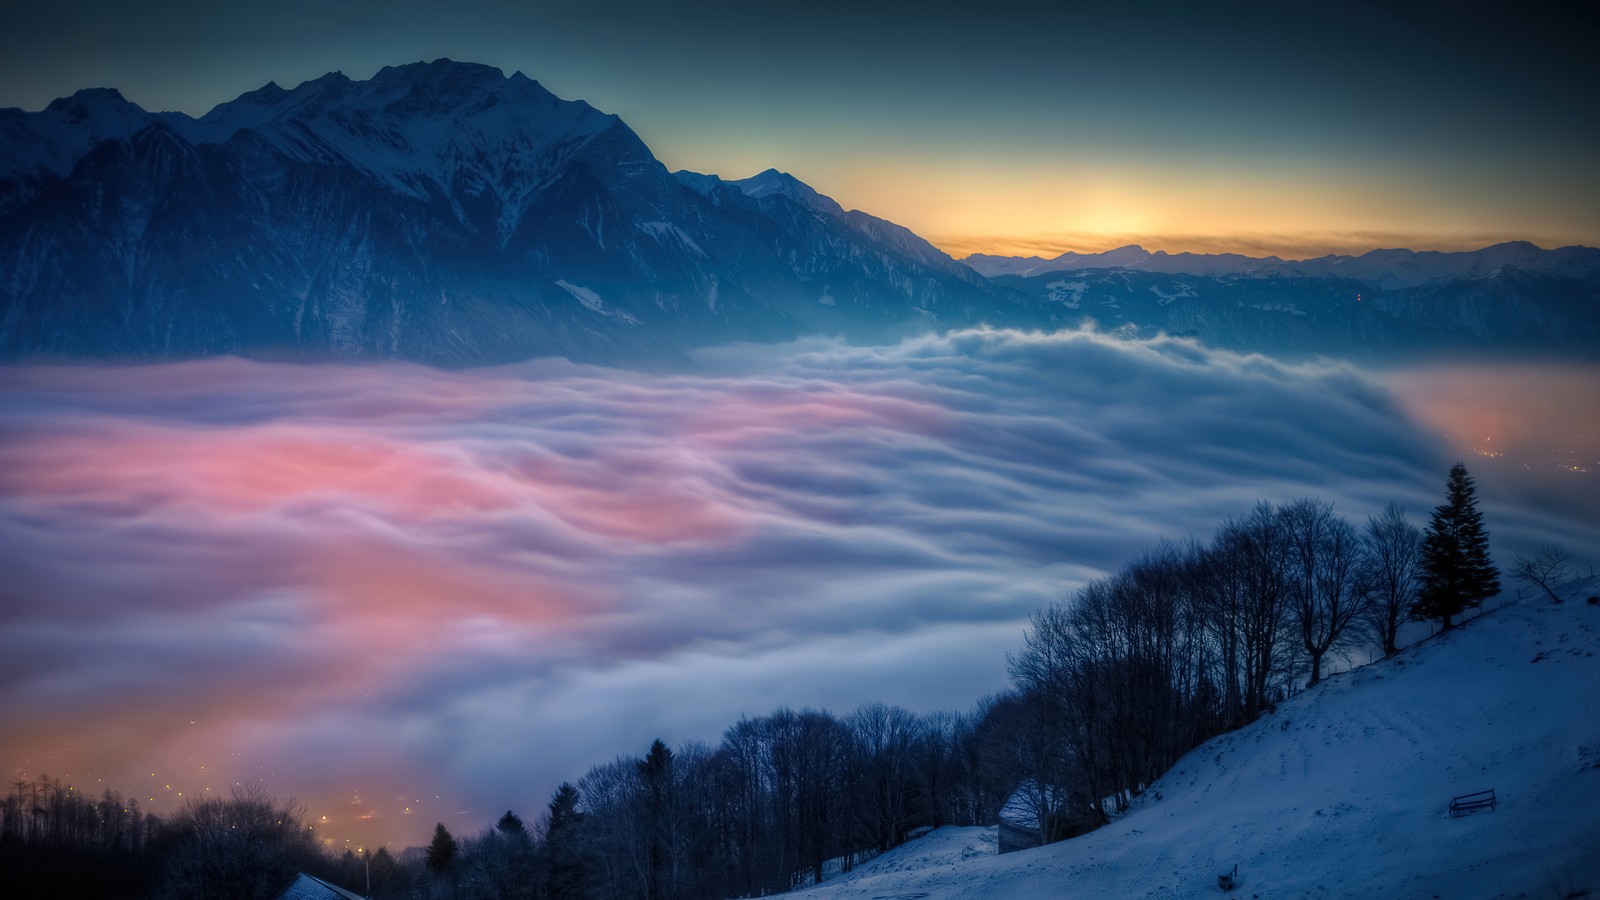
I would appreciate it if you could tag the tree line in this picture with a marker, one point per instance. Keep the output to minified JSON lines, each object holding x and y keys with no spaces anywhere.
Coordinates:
{"x":56,"y":841}
{"x":1110,"y":687}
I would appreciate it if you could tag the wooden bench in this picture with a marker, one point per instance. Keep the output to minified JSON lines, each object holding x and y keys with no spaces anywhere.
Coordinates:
{"x":1467,"y":804}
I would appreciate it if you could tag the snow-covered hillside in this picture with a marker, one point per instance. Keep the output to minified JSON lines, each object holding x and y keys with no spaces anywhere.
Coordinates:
{"x":1343,"y":791}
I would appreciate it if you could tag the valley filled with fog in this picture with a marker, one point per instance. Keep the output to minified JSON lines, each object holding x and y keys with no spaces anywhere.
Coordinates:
{"x":429,"y":595}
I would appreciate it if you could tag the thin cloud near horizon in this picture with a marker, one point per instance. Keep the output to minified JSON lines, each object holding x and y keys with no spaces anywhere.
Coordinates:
{"x":1290,"y":248}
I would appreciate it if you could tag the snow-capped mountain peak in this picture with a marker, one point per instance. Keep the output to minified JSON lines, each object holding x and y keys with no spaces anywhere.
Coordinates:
{"x":699,"y":182}
{"x":51,"y":140}
{"x":773,"y":182}
{"x":441,"y":129}
{"x":1130,"y":255}
{"x":90,"y":103}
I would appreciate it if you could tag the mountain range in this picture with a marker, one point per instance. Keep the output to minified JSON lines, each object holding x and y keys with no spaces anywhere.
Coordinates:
{"x":448,"y":214}
{"x":1378,"y":269}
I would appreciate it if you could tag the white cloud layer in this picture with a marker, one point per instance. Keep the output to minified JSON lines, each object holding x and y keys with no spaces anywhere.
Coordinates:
{"x":389,"y":587}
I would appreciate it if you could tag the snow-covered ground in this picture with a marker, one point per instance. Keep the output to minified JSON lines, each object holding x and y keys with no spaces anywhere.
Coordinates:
{"x":1343,"y":791}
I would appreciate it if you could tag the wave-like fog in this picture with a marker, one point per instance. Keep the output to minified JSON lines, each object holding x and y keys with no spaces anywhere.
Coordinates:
{"x":389,"y":588}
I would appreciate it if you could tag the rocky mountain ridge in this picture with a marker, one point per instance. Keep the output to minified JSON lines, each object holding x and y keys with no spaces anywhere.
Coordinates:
{"x":448,"y":214}
{"x":439,"y":212}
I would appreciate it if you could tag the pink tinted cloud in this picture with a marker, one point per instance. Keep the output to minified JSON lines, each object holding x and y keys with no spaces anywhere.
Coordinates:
{"x":756,"y":415}
{"x":439,"y":583}
{"x":239,"y":470}
{"x":137,"y":468}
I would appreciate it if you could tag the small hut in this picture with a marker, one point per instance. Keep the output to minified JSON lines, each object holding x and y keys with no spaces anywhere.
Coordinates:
{"x":310,"y":887}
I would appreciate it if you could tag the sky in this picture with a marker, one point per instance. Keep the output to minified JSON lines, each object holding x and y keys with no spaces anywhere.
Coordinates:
{"x":1294,"y":129}
{"x":406,"y":596}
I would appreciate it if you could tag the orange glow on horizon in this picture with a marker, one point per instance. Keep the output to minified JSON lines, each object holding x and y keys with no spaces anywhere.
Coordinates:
{"x":1048,"y":245}
{"x":1045,"y":206}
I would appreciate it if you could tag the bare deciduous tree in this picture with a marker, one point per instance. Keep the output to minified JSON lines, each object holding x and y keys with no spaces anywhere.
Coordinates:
{"x":1325,"y":562}
{"x":249,"y":845}
{"x":1389,"y":578}
{"x":1543,"y":570}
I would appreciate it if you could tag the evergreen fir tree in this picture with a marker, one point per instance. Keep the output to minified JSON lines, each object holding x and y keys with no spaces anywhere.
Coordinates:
{"x":569,"y":865}
{"x":442,"y":851}
{"x":511,"y":824}
{"x":1456,"y":573}
{"x":655,"y":771}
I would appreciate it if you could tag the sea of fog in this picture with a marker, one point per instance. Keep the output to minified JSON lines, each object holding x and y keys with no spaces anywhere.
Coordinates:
{"x":407,"y":596}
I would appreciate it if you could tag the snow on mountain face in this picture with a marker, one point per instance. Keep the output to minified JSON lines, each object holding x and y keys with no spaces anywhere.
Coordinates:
{"x":1130,"y":256}
{"x":771,"y":182}
{"x":702,"y":184}
{"x":424,"y":129}
{"x":438,"y":212}
{"x":1407,"y":268}
{"x":68,"y":127}
{"x":1343,"y":791}
{"x":35,"y":147}
{"x":418,"y":127}
{"x":991,"y":266}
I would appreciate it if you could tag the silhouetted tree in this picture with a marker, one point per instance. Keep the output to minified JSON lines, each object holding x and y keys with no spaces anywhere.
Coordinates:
{"x":569,"y":866}
{"x":388,"y":879}
{"x":703,"y":811}
{"x":1456,"y":573}
{"x":1325,"y":566}
{"x":1389,"y":574}
{"x":1114,"y":686}
{"x":55,"y":841}
{"x":442,"y":850}
{"x":1543,"y":571}
{"x":497,"y":864}
{"x":939,"y":769}
{"x":615,"y":827}
{"x":1057,"y":727}
{"x":249,"y":845}
{"x":992,"y":770}
{"x":1246,"y":602}
{"x":511,"y":824}
{"x":888,"y":799}
{"x":655,"y":775}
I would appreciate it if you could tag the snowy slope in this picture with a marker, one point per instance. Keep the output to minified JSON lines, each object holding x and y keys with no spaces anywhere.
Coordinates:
{"x":1343,"y":791}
